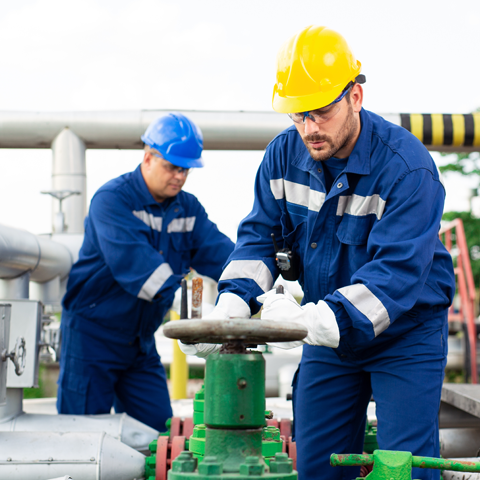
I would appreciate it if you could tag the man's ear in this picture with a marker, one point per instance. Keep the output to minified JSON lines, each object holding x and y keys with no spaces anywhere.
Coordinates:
{"x":147,"y":159}
{"x":356,"y":97}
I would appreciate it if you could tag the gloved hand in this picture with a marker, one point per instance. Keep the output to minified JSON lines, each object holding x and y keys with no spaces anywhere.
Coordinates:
{"x":318,"y":318}
{"x":228,"y":306}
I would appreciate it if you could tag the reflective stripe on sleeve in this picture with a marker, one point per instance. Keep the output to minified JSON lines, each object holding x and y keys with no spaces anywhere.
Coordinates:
{"x":154,"y":223}
{"x":181,"y":225}
{"x":255,"y":270}
{"x":360,"y":206}
{"x":155,"y":282}
{"x":297,"y":194}
{"x":368,"y":304}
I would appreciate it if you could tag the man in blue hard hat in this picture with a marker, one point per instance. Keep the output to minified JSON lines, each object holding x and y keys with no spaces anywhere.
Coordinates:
{"x":142,"y":235}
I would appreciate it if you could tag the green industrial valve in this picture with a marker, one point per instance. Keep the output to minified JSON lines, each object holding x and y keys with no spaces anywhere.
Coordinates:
{"x":390,"y":465}
{"x":234,"y":433}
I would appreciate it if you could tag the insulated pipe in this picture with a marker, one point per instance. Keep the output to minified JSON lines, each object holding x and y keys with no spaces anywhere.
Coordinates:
{"x":120,"y":426}
{"x":85,"y":456}
{"x":235,"y":130}
{"x":22,"y":252}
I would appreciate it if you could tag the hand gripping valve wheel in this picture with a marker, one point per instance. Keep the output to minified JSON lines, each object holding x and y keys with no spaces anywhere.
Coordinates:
{"x":234,"y":411}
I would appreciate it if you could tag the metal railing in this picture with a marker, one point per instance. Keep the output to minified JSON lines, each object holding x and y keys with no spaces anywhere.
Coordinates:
{"x":453,"y":236}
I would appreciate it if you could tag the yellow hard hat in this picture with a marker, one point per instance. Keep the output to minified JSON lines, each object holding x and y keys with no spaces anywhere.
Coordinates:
{"x":313,"y":68}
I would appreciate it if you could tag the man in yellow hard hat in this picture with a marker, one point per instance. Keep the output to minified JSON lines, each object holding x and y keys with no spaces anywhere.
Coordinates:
{"x":354,"y":203}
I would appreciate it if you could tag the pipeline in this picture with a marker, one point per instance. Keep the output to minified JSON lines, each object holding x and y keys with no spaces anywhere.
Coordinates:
{"x":234,"y":130}
{"x":22,"y":252}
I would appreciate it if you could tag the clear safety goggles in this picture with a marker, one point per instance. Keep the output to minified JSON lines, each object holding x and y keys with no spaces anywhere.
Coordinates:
{"x":170,"y":167}
{"x":321,"y":115}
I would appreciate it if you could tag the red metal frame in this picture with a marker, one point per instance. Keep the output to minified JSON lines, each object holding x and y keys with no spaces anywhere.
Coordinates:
{"x":465,"y":286}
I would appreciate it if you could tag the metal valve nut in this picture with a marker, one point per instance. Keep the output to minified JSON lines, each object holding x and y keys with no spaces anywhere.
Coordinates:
{"x":185,"y":463}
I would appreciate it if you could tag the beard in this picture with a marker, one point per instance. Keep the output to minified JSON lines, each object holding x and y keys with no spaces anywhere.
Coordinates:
{"x":342,"y":138}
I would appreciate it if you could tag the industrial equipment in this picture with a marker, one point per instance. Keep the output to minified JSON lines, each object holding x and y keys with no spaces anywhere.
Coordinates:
{"x":390,"y":465}
{"x":234,"y":407}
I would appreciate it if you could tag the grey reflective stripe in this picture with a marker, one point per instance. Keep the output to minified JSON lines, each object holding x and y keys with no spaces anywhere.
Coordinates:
{"x":155,"y":282}
{"x":361,"y":206}
{"x":253,"y":269}
{"x":148,"y":219}
{"x":368,"y":304}
{"x":181,"y":225}
{"x":297,"y":193}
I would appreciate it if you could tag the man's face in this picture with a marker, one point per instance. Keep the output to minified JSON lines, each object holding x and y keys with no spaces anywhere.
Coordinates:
{"x":337,"y":136}
{"x":162,"y":178}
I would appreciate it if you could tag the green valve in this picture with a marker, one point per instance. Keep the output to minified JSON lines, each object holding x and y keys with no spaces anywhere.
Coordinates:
{"x":389,"y":465}
{"x":235,"y":387}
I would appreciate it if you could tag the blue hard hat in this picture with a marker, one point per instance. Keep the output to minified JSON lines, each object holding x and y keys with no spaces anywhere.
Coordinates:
{"x":177,"y":138}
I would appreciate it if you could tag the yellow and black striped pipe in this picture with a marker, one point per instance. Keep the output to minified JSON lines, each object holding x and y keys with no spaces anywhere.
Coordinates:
{"x":456,"y":132}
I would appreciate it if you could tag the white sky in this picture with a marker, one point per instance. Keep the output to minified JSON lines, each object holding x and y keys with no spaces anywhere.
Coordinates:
{"x":64,"y":55}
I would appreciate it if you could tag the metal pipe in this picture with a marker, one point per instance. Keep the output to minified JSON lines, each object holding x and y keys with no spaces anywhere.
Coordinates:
{"x":69,"y":176}
{"x":120,"y":426}
{"x":418,"y":462}
{"x":22,"y":252}
{"x":222,"y":130}
{"x":459,"y":442}
{"x":86,"y":456}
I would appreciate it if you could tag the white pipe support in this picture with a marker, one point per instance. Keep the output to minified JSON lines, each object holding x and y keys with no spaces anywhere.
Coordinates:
{"x":69,"y":173}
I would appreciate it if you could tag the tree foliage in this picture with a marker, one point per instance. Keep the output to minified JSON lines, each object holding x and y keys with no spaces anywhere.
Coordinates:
{"x":463,"y":163}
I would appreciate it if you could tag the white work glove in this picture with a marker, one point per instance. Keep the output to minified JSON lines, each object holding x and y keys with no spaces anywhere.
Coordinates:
{"x":319,"y":319}
{"x":228,"y":306}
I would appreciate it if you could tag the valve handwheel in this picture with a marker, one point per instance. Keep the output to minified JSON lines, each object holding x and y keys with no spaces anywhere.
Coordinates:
{"x":246,"y":330}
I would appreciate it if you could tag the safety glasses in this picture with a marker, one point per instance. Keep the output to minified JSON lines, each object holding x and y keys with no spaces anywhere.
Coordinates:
{"x":171,"y":168}
{"x":321,"y":115}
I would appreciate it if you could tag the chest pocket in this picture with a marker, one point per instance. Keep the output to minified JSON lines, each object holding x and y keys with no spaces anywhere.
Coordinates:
{"x":354,"y":230}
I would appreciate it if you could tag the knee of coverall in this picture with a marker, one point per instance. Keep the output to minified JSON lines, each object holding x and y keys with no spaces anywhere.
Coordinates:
{"x":330,"y":400}
{"x":142,"y":391}
{"x":88,"y":369}
{"x":407,"y":382}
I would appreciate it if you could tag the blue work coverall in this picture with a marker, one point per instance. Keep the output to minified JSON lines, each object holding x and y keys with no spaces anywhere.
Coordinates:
{"x":134,"y":255}
{"x":369,"y":247}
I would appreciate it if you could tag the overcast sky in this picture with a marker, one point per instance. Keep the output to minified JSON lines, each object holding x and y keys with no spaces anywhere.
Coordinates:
{"x":68,"y":55}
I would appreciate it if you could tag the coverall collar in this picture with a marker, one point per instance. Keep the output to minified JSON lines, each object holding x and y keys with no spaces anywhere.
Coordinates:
{"x":359,"y":159}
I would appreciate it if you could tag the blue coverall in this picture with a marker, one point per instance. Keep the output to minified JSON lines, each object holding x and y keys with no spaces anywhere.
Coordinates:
{"x":134,"y":255}
{"x":369,"y":247}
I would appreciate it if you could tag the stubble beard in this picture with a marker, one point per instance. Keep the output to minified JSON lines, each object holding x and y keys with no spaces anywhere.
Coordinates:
{"x":333,"y":145}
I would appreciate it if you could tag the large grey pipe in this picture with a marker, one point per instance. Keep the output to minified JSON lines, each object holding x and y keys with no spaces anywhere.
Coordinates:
{"x":83,"y":456}
{"x":234,"y":130}
{"x":22,"y":252}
